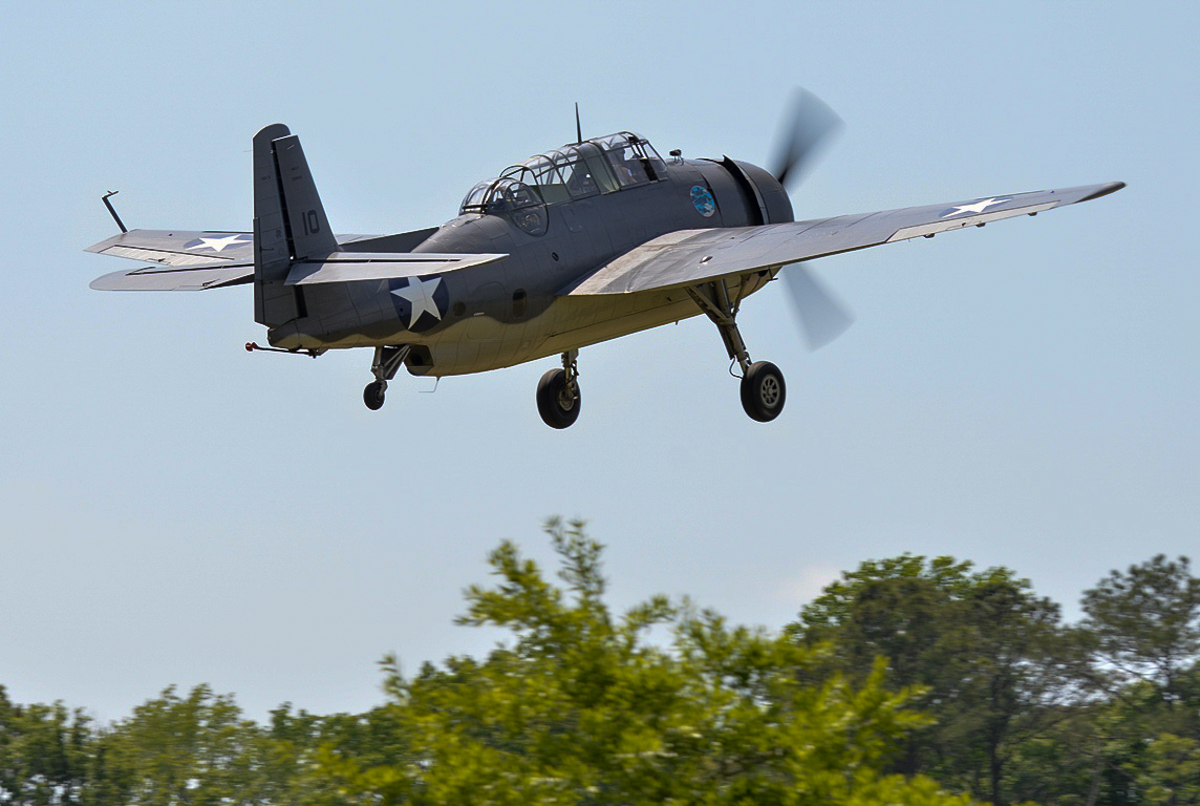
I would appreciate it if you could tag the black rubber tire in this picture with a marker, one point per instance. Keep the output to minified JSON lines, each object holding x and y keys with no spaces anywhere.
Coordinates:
{"x":373,"y":395}
{"x":557,"y":407}
{"x":763,"y":391}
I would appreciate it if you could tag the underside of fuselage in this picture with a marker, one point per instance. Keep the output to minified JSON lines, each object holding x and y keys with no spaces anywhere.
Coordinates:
{"x":478,"y":341}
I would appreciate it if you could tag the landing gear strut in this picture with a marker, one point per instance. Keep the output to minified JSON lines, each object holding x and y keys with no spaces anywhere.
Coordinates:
{"x":763,"y":389}
{"x":387,"y":362}
{"x":558,"y":396}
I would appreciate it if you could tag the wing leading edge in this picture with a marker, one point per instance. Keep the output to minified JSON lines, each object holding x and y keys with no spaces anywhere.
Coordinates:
{"x":688,"y":257}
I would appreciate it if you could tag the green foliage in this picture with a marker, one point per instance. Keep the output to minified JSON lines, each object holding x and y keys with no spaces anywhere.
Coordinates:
{"x":1107,"y":712}
{"x":581,"y":708}
{"x":906,"y":677}
{"x":192,"y":749}
{"x":1171,"y":773}
{"x":43,"y":753}
{"x":1145,"y":623}
{"x":988,"y":652}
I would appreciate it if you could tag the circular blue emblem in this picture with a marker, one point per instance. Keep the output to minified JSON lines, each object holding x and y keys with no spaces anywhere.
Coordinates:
{"x":702,"y":200}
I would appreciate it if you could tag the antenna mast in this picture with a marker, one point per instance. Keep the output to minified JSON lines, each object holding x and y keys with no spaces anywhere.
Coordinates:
{"x":108,"y":204}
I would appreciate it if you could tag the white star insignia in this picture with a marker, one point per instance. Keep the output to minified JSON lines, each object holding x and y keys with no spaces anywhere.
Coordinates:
{"x":218,"y":244}
{"x":419,"y":294}
{"x":977,"y":207}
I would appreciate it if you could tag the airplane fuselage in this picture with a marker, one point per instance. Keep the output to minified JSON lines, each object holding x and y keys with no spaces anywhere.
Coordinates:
{"x":514,"y":310}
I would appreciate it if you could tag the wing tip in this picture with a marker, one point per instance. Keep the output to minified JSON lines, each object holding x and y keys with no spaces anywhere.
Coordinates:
{"x":1104,"y":190}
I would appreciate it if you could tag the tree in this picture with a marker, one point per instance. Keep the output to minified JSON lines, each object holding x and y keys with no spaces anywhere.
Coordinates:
{"x":43,"y":753}
{"x":989,"y":653}
{"x":582,"y":708}
{"x":174,"y":750}
{"x":1141,"y":631}
{"x":1145,"y":623}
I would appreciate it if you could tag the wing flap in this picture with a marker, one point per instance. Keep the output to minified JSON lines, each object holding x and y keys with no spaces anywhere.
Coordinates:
{"x":693,"y":256}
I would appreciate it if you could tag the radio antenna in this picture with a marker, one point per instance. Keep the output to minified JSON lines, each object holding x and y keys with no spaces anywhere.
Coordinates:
{"x":578,"y":128}
{"x":108,"y":204}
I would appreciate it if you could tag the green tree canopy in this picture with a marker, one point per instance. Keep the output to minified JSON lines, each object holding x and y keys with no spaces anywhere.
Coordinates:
{"x":1145,"y":622}
{"x":44,"y":753}
{"x":988,"y":651}
{"x":580,"y":707}
{"x":904,"y":672}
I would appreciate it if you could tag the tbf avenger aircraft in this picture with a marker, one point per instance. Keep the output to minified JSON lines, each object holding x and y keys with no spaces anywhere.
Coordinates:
{"x":598,"y":239}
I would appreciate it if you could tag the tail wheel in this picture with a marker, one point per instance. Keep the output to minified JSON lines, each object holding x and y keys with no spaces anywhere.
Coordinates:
{"x":557,"y":401}
{"x":763,"y":391}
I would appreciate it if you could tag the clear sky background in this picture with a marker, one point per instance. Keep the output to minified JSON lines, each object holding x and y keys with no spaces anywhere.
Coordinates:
{"x":175,"y":510}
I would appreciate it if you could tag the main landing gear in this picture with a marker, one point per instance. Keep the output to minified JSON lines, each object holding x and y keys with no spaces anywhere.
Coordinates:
{"x":763,"y":389}
{"x":558,"y":396}
{"x":387,"y":362}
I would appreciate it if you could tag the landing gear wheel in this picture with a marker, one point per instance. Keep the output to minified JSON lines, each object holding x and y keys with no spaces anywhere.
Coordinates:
{"x":556,"y":401}
{"x":763,"y":391}
{"x":373,"y":394}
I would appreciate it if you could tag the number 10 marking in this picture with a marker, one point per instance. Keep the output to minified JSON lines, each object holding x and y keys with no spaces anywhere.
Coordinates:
{"x":312,"y":224}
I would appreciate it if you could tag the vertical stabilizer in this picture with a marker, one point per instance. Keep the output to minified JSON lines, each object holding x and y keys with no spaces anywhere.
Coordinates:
{"x":289,"y":223}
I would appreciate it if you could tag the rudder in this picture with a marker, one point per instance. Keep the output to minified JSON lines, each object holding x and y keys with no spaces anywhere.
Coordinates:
{"x":289,"y":223}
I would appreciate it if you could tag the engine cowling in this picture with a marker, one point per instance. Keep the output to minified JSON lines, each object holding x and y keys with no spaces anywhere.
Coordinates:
{"x":746,"y":194}
{"x":773,"y":204}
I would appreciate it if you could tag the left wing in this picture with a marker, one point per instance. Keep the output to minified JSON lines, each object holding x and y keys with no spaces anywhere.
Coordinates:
{"x":197,"y":261}
{"x":338,"y":267}
{"x":688,"y":257}
{"x":179,"y":248}
{"x":190,"y":278}
{"x":186,"y":260}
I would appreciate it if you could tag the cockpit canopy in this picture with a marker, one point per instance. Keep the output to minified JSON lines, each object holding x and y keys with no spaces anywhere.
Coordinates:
{"x":599,"y":165}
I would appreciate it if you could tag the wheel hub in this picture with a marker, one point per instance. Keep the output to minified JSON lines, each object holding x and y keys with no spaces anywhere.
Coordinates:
{"x":769,"y":391}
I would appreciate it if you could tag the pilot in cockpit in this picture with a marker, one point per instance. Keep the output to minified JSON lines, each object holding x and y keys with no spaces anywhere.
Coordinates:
{"x":627,"y":166}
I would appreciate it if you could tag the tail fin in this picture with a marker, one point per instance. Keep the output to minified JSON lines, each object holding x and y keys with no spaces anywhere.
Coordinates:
{"x":289,"y":223}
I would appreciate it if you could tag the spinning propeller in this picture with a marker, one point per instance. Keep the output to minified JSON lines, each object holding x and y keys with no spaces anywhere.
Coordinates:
{"x":807,"y":130}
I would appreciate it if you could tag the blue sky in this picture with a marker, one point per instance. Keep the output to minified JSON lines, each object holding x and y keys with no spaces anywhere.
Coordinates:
{"x":174,"y":510}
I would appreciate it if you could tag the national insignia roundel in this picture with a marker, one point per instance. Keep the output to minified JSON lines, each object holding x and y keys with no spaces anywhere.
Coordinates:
{"x":420,"y":302}
{"x":215,"y":242}
{"x":981,"y":206}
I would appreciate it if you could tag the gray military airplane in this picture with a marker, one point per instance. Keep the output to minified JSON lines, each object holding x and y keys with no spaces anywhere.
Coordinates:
{"x":598,"y":239}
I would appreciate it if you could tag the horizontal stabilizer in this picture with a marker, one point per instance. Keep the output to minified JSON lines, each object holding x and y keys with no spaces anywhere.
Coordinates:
{"x":344,"y":267}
